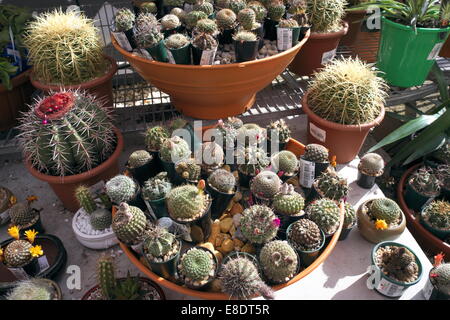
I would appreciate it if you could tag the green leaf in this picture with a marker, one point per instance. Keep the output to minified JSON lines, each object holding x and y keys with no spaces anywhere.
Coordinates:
{"x":432,"y":145}
{"x":441,"y":82}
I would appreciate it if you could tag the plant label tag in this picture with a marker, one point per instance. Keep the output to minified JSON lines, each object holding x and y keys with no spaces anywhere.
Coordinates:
{"x":307,"y":172}
{"x":43,"y":263}
{"x":170,"y":56}
{"x":13,"y":53}
{"x":122,"y":40}
{"x":389,"y":289}
{"x":188,"y":7}
{"x":435,"y":51}
{"x":4,"y":216}
{"x":427,"y":290}
{"x":145,"y":54}
{"x":328,"y":56}
{"x":19,"y":273}
{"x":317,"y":132}
{"x":284,"y":38}
{"x":208,"y":57}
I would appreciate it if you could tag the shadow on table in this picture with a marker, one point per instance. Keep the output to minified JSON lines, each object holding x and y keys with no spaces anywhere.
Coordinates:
{"x":360,"y":288}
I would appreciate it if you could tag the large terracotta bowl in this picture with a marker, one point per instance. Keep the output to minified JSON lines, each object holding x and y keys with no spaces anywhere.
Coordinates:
{"x":216,"y":91}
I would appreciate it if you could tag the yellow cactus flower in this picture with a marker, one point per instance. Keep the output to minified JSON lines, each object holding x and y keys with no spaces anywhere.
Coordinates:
{"x":12,"y":200}
{"x":36,"y":251}
{"x":1,"y":252}
{"x":380,"y":224}
{"x":31,"y":235}
{"x":14,"y":232}
{"x":32,"y":198}
{"x":333,"y":161}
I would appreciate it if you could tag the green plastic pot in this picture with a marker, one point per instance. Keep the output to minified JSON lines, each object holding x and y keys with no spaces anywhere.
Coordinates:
{"x":406,"y":57}
{"x":181,"y":55}
{"x":440,"y":233}
{"x":158,"y":207}
{"x":159,"y":52}
{"x":306,"y":257}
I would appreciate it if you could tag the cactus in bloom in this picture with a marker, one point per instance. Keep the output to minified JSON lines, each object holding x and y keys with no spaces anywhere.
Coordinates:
{"x":204,"y":41}
{"x":106,"y":276}
{"x":67,"y":133}
{"x":279,"y":261}
{"x":124,"y":19}
{"x":326,"y":213}
{"x":440,"y":277}
{"x":156,"y":187}
{"x":305,"y":235}
{"x":206,"y":26}
{"x":288,"y":23}
{"x":193,"y":17}
{"x":437,"y":213}
{"x":100,"y":219}
{"x":196,"y":264}
{"x":170,"y":21}
{"x":241,"y":280}
{"x":371,"y":164}
{"x":259,"y":9}
{"x":278,"y":131}
{"x":129,"y":224}
{"x":245,"y":36}
{"x":252,"y":160}
{"x":286,"y":162}
{"x":275,"y":10}
{"x":154,"y":137}
{"x":174,"y":149}
{"x":187,"y":203}
{"x":85,"y":199}
{"x":259,"y":224}
{"x":33,"y":289}
{"x":159,"y":242}
{"x":326,"y":15}
{"x":385,"y":209}
{"x":138,"y":159}
{"x":205,"y":7}
{"x":222,"y":180}
{"x":226,"y":19}
{"x":316,"y":153}
{"x":246,"y":18}
{"x":350,"y":216}
{"x":176,"y":41}
{"x":22,"y":215}
{"x":425,"y":182}
{"x":288,"y":202}
{"x":330,"y":185}
{"x":17,"y":253}
{"x":121,"y":189}
{"x":188,"y":169}
{"x":265,"y":185}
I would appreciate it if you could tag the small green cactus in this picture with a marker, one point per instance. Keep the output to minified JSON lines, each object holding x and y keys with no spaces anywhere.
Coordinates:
{"x":288,"y":202}
{"x":326,"y":15}
{"x":326,"y":213}
{"x":279,"y":261}
{"x":385,"y":209}
{"x":180,"y":13}
{"x":440,"y":278}
{"x":32,"y":289}
{"x":259,"y":9}
{"x":170,"y":21}
{"x":330,"y":185}
{"x":350,"y":216}
{"x":276,"y":10}
{"x":252,"y":160}
{"x":138,"y":159}
{"x":159,"y":242}
{"x":149,"y":7}
{"x":237,"y":5}
{"x":259,"y":224}
{"x":188,"y":169}
{"x":246,"y":18}
{"x":316,"y":153}
{"x":156,"y":187}
{"x":245,"y":36}
{"x":205,"y":7}
{"x":371,"y":164}
{"x":278,"y":131}
{"x":265,"y":185}
{"x":100,"y":219}
{"x":121,"y":189}
{"x":288,"y":23}
{"x":437,"y":213}
{"x":154,"y":137}
{"x":176,"y":41}
{"x":106,"y":277}
{"x":226,"y":19}
{"x":197,"y":264}
{"x":22,"y":215}
{"x":193,"y":17}
{"x":204,"y":41}
{"x":207,"y":26}
{"x":85,"y":199}
{"x":124,"y":19}
{"x":285,"y":162}
{"x":173,"y":3}
{"x":187,"y":203}
{"x":426,"y":182}
{"x":129,"y":224}
{"x":305,"y":235}
{"x":222,"y":180}
{"x":17,"y":253}
{"x":174,"y":149}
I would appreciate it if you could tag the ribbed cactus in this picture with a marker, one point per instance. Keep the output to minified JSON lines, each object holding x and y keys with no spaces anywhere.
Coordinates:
{"x":156,"y":187}
{"x":188,"y":169}
{"x":100,"y":219}
{"x":275,"y":10}
{"x":180,"y":13}
{"x":138,"y":159}
{"x":154,"y":137}
{"x":246,"y":18}
{"x":305,"y":235}
{"x":129,"y":224}
{"x":288,"y":202}
{"x":205,"y":7}
{"x":440,"y":278}
{"x":106,"y":277}
{"x":17,"y":253}
{"x":279,"y":261}
{"x":226,"y":19}
{"x":149,"y":7}
{"x":210,"y":154}
{"x":259,"y":9}
{"x":437,"y":213}
{"x":85,"y":199}
{"x":196,"y":264}
{"x":385,"y":209}
{"x":241,"y":280}
{"x":350,"y":216}
{"x":245,"y":36}
{"x":425,"y":181}
{"x":33,"y":289}
{"x":176,"y":41}
{"x":206,"y":26}
{"x":159,"y":242}
{"x":67,"y":133}
{"x":259,"y":224}
{"x":187,"y":203}
{"x":174,"y":149}
{"x":326,"y":15}
{"x":170,"y":21}
{"x":23,"y":215}
{"x":204,"y":41}
{"x":124,"y":19}
{"x":288,"y":23}
{"x":193,"y":17}
{"x":121,"y":189}
{"x":278,"y":131}
{"x":286,"y":162}
{"x":316,"y":153}
{"x":265,"y":185}
{"x":330,"y":185}
{"x":147,"y":33}
{"x":252,"y":160}
{"x":371,"y":164}
{"x":222,"y":180}
{"x":237,"y":5}
{"x":325,"y":213}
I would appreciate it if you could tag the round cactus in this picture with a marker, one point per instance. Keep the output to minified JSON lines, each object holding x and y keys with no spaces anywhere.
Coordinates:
{"x":187,"y":203}
{"x":265,"y":185}
{"x":188,"y":169}
{"x":197,"y":264}
{"x":100,"y":219}
{"x":305,"y":235}
{"x":129,"y":224}
{"x":180,"y":13}
{"x":205,"y":7}
{"x":210,"y":154}
{"x":316,"y":153}
{"x":124,"y":19}
{"x":288,"y":23}
{"x":288,"y":202}
{"x":259,"y":224}
{"x":206,"y":26}
{"x":437,"y":213}
{"x":156,"y":187}
{"x":159,"y":242}
{"x":286,"y":162}
{"x":279,"y":261}
{"x":326,"y":213}
{"x":245,"y":36}
{"x":237,"y":5}
{"x":250,"y":133}
{"x":193,"y":17}
{"x":149,"y":7}
{"x":226,"y":19}
{"x":440,"y":278}
{"x":326,"y":15}
{"x":139,"y":158}
{"x":330,"y":185}
{"x":121,"y":189}
{"x":33,"y":289}
{"x":252,"y":160}
{"x":259,"y":9}
{"x":85,"y":199}
{"x":246,"y":18}
{"x":371,"y":164}
{"x":204,"y":41}
{"x":275,"y":10}
{"x":385,"y":209}
{"x":176,"y":41}
{"x":170,"y":21}
{"x":154,"y":137}
{"x":174,"y":149}
{"x":350,"y":216}
{"x":278,"y":131}
{"x":222,"y":180}
{"x":22,"y":215}
{"x":17,"y":253}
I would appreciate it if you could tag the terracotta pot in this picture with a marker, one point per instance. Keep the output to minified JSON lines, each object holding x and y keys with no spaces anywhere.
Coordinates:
{"x":333,"y":135}
{"x":64,"y":187}
{"x":366,"y":46}
{"x":14,"y":101}
{"x":370,"y":233}
{"x":212,"y":91}
{"x":100,"y":87}
{"x":426,"y":239}
{"x":354,"y":20}
{"x":320,"y":48}
{"x":445,"y":51}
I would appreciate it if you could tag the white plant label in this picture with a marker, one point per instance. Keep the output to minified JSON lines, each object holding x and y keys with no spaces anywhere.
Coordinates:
{"x":284,"y":38}
{"x":307,"y":172}
{"x":317,"y":132}
{"x":145,"y":54}
{"x":208,"y":57}
{"x":19,"y":273}
{"x":170,"y":56}
{"x":435,"y":51}
{"x":43,"y":263}
{"x":122,"y":39}
{"x":383,"y":286}
{"x":188,"y":7}
{"x":328,"y":56}
{"x":427,"y":290}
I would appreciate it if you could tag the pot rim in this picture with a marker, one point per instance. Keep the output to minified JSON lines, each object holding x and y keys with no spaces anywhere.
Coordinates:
{"x":423,"y":220}
{"x":331,"y":35}
{"x":408,"y":28}
{"x":364,"y":216}
{"x":97,"y":237}
{"x":337,"y":126}
{"x":322,"y":244}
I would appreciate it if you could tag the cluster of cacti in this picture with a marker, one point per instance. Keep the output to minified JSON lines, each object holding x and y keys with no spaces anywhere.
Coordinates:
{"x":193,"y":17}
{"x":325,"y":213}
{"x":17,"y":253}
{"x":288,"y":23}
{"x":240,"y":279}
{"x":176,"y":41}
{"x":350,"y":216}
{"x":285,"y":162}
{"x":149,"y":7}
{"x":245,"y":36}
{"x":174,"y":149}
{"x":259,"y":224}
{"x":278,"y":131}
{"x":154,"y":137}
{"x":188,"y":169}
{"x":226,"y":19}
{"x":67,"y":133}
{"x":138,"y":159}
{"x":440,"y":277}
{"x":371,"y":164}
{"x":275,"y":10}
{"x":147,"y":33}
{"x":316,"y":153}
{"x":32,"y":289}
{"x":259,"y":9}
{"x":265,"y":185}
{"x":437,"y":213}
{"x":180,"y":13}
{"x":156,"y":187}
{"x":222,"y":180}
{"x":247,"y":18}
{"x":170,"y":21}
{"x":124,"y":20}
{"x":425,"y":182}
{"x":159,"y":243}
{"x":197,"y":265}
{"x":121,"y":189}
{"x":305,"y":235}
{"x":187,"y":203}
{"x":85,"y":199}
{"x":330,"y":185}
{"x":210,"y":154}
{"x":205,"y":7}
{"x":206,"y":26}
{"x":252,"y":160}
{"x":398,"y":263}
{"x":237,"y":5}
{"x":22,"y":215}
{"x":347,"y":91}
{"x":129,"y":224}
{"x":288,"y":202}
{"x":100,"y":219}
{"x":234,"y":122}
{"x":204,"y":41}
{"x":279,"y":261}
{"x":385,"y":209}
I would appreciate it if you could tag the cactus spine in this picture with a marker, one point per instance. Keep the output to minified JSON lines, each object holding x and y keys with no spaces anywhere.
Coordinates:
{"x":330,"y":185}
{"x":129,"y":224}
{"x":154,"y":138}
{"x":279,"y":261}
{"x":100,"y":219}
{"x":196,"y":265}
{"x":159,"y":243}
{"x":316,"y":153}
{"x":247,"y":18}
{"x":22,"y":215}
{"x":259,"y":224}
{"x":286,"y":162}
{"x":371,"y":164}
{"x":385,"y":209}
{"x":440,"y":278}
{"x":121,"y":189}
{"x":33,"y":289}
{"x":85,"y":199}
{"x":156,"y":187}
{"x":174,"y":149}
{"x":226,"y":19}
{"x":17,"y":253}
{"x":325,"y":213}
{"x":138,"y":159}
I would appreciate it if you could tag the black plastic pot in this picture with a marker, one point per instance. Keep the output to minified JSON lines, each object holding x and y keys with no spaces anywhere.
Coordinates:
{"x":197,"y":54}
{"x":181,"y":55}
{"x":31,"y":269}
{"x":159,"y":52}
{"x":130,"y":36}
{"x":220,"y":201}
{"x":285,"y":222}
{"x":260,"y":33}
{"x":303,"y":31}
{"x":365,"y":181}
{"x":414,"y":200}
{"x":226,"y":36}
{"x":307,"y":257}
{"x":156,"y":164}
{"x":169,"y":167}
{"x":270,"y":29}
{"x":281,"y":147}
{"x":37,"y":226}
{"x":244,"y":179}
{"x":138,"y":201}
{"x":142,"y":173}
{"x":166,"y":269}
{"x":439,"y":233}
{"x":245,"y":50}
{"x":158,"y":207}
{"x":168,"y":32}
{"x":167,"y":9}
{"x":344,"y":233}
{"x":435,"y":293}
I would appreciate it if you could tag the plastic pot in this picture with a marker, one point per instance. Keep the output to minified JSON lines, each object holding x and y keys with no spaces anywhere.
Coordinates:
{"x":440,"y":233}
{"x":169,"y":167}
{"x":307,"y":257}
{"x":226,"y":36}
{"x":64,"y":187}
{"x":166,"y":269}
{"x":212,"y":92}
{"x":414,"y":199}
{"x":387,"y":286}
{"x":365,"y":181}
{"x":319,"y":50}
{"x":100,"y":87}
{"x":142,"y":173}
{"x":203,"y":57}
{"x":355,"y":21}
{"x":181,"y":55}
{"x":158,"y":207}
{"x":405,"y":56}
{"x":246,"y":50}
{"x":157,"y":166}
{"x":345,"y":232}
{"x":205,"y":285}
{"x":169,"y":32}
{"x":283,"y":35}
{"x":431,"y":291}
{"x":270,"y":29}
{"x":331,"y":134}
{"x":220,"y":201}
{"x":137,"y":200}
{"x":159,"y":52}
{"x":260,"y":34}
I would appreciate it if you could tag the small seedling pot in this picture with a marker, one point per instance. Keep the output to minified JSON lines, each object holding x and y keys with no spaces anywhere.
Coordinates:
{"x":431,"y":292}
{"x":365,"y":181}
{"x":260,"y":33}
{"x":220,"y":201}
{"x":226,"y":36}
{"x":306,"y":257}
{"x":181,"y":55}
{"x":142,"y":173}
{"x":203,"y":57}
{"x":345,"y":232}
{"x":270,"y":29}
{"x":440,"y":233}
{"x":205,"y":285}
{"x":166,"y":269}
{"x":158,"y":52}
{"x":245,"y":50}
{"x":415,"y":200}
{"x":158,"y":207}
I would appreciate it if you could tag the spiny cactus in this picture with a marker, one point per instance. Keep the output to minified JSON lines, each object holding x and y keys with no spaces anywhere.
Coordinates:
{"x":288,"y":23}
{"x":425,"y":182}
{"x":85,"y":199}
{"x":180,"y":13}
{"x":205,"y":7}
{"x":124,"y":19}
{"x":187,"y":203}
{"x":250,"y":133}
{"x":398,"y":263}
{"x":234,"y":122}
{"x":17,"y":253}
{"x":240,"y":279}
{"x":106,"y":276}
{"x":174,"y":149}
{"x":173,"y":3}
{"x":278,"y":131}
{"x":252,"y":160}
{"x":149,"y":7}
{"x":305,"y":235}
{"x":288,"y":202}
{"x":105,"y":200}
{"x":347,"y":91}
{"x":326,"y":213}
{"x":275,"y":10}
{"x":245,"y":36}
{"x":259,"y":9}
{"x":207,"y":26}
{"x":170,"y":21}
{"x":138,"y":159}
{"x":210,"y":154}
{"x":316,"y":153}
{"x":437,"y":213}
{"x":121,"y":189}
{"x":246,"y":18}
{"x":196,"y":265}
{"x":159,"y":242}
{"x":237,"y":5}
{"x":265,"y":185}
{"x":286,"y":162}
{"x":154,"y":137}
{"x":385,"y":209}
{"x":226,"y":19}
{"x":350,"y":216}
{"x":227,"y":133}
{"x":297,"y":6}
{"x":129,"y":224}
{"x":67,"y":133}
{"x":440,"y":278}
{"x":371,"y":164}
{"x":23,"y":215}
{"x":64,"y":48}
{"x":302,"y":19}
{"x":222,"y":180}
{"x":326,"y":15}
{"x":100,"y":219}
{"x":176,"y":41}
{"x":188,"y":169}
{"x":330,"y":185}
{"x":204,"y":41}
{"x":33,"y":289}
{"x":156,"y":187}
{"x":279,"y":261}
{"x":259,"y":224}
{"x":147,"y":33}
{"x":193,"y":17}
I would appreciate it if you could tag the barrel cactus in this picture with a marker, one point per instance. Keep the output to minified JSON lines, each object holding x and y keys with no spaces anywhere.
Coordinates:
{"x":245,"y":36}
{"x":246,"y":18}
{"x":385,"y":209}
{"x":206,"y":26}
{"x":285,"y":162}
{"x":326,"y":213}
{"x":156,"y":187}
{"x":326,"y":15}
{"x":17,"y":253}
{"x":330,"y":185}
{"x":371,"y":164}
{"x":252,"y":160}
{"x":237,"y":5}
{"x":193,"y":17}
{"x":187,"y":203}
{"x":259,"y":224}
{"x":129,"y":224}
{"x":176,"y":41}
{"x":124,"y":20}
{"x":398,"y":263}
{"x":265,"y":185}
{"x":100,"y":219}
{"x":288,"y":23}
{"x":440,"y":277}
{"x":226,"y":19}
{"x":437,"y":213}
{"x":160,"y":243}
{"x":170,"y":21}
{"x":174,"y":149}
{"x":138,"y":159}
{"x":154,"y":137}
{"x":197,"y":266}
{"x":288,"y":202}
{"x":66,"y":133}
{"x":85,"y":199}
{"x":275,"y":10}
{"x":32,"y":289}
{"x":259,"y":9}
{"x":121,"y":189}
{"x":188,"y":169}
{"x":305,"y":235}
{"x":316,"y":153}
{"x":278,"y":131}
{"x":22,"y":215}
{"x":205,"y":7}
{"x":222,"y":180}
{"x":279,"y":261}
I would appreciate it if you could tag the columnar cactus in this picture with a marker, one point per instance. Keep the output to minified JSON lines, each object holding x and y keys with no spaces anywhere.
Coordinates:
{"x":385,"y":209}
{"x":326,"y":15}
{"x":124,"y":19}
{"x":23,"y":215}
{"x":246,"y":18}
{"x":237,"y":5}
{"x":425,"y":182}
{"x":159,"y":242}
{"x":275,"y":10}
{"x":106,"y":276}
{"x":206,"y":26}
{"x":85,"y":199}
{"x":279,"y":261}
{"x":17,"y":253}
{"x":326,"y":213}
{"x":204,"y":41}
{"x":316,"y":153}
{"x":121,"y":189}
{"x":285,"y":162}
{"x":197,"y":264}
{"x":154,"y":137}
{"x":156,"y":187}
{"x":440,"y":278}
{"x":252,"y":160}
{"x":205,"y":7}
{"x":259,"y":9}
{"x":170,"y":21}
{"x":288,"y":202}
{"x":193,"y":17}
{"x":330,"y":185}
{"x":100,"y":219}
{"x":176,"y":41}
{"x":187,"y":203}
{"x":174,"y":149}
{"x":305,"y":235}
{"x":33,"y":289}
{"x":67,"y":133}
{"x":188,"y":169}
{"x":371,"y":164}
{"x":226,"y":19}
{"x":259,"y":224}
{"x":350,"y":216}
{"x":129,"y":224}
{"x":265,"y":185}
{"x":278,"y":131}
{"x":222,"y":180}
{"x":437,"y":213}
